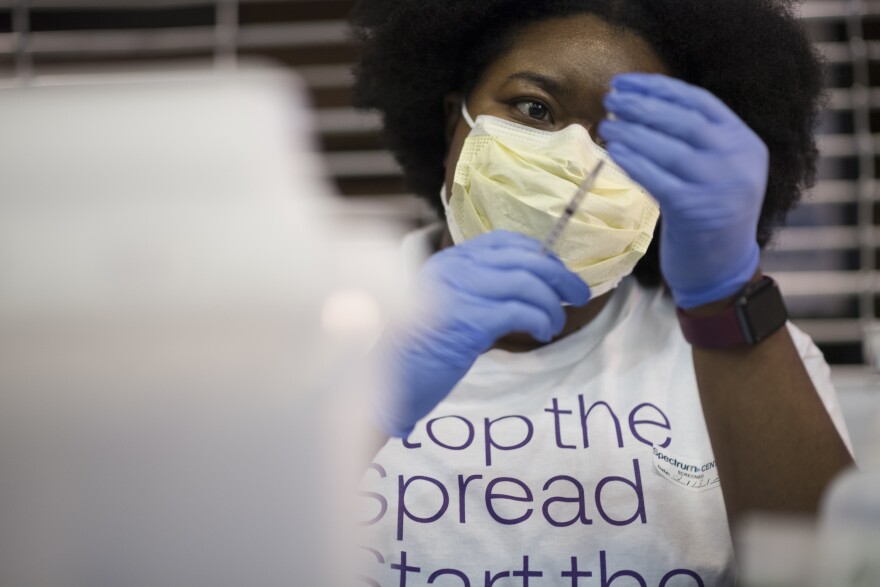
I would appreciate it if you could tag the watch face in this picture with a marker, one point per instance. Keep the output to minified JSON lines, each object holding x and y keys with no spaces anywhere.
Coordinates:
{"x":764,"y":311}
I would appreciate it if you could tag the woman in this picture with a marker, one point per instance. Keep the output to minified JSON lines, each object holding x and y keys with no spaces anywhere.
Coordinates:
{"x":564,"y":424}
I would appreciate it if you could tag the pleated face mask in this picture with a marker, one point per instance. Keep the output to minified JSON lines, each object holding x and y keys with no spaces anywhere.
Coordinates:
{"x":513,"y":177}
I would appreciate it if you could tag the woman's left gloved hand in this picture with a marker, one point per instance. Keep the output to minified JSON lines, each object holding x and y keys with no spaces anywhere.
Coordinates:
{"x":707,"y":170}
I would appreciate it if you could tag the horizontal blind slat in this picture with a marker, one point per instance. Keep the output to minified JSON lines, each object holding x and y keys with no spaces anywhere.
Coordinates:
{"x":361,"y":169}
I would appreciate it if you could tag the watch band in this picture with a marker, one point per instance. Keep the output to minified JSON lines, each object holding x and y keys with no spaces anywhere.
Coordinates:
{"x":718,"y":331}
{"x":755,"y":313}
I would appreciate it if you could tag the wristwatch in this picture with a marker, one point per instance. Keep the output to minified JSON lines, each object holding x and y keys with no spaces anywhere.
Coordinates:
{"x":755,"y":313}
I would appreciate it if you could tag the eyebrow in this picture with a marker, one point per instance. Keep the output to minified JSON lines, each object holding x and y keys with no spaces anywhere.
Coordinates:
{"x":546,"y":83}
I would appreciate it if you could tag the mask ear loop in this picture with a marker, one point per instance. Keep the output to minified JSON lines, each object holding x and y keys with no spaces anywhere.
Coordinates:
{"x":467,"y":115}
{"x":470,"y":122}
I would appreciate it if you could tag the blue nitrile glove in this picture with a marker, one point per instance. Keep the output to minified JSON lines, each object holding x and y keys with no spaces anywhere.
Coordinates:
{"x":708,"y":172}
{"x":467,"y":297}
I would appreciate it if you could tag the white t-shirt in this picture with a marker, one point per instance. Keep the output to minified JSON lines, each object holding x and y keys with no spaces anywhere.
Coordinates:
{"x":543,"y":468}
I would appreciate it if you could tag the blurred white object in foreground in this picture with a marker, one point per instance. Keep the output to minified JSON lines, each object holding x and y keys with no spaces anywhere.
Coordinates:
{"x":165,"y":264}
{"x":850,"y":522}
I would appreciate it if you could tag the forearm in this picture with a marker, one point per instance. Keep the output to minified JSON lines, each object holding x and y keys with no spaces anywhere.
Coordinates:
{"x":775,"y":445}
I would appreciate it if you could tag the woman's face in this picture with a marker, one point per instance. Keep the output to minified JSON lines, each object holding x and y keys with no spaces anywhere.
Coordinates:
{"x":555,"y":74}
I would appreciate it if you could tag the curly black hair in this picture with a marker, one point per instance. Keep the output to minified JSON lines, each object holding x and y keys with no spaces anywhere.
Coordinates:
{"x":753,"y":54}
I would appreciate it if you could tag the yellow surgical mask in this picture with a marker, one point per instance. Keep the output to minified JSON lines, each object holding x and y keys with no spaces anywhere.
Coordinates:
{"x":514,"y":177}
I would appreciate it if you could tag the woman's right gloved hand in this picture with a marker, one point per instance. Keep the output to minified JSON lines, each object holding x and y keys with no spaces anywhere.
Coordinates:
{"x":467,"y":297}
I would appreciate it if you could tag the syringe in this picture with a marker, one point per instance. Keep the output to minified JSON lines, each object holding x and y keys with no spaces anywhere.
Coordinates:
{"x":572,"y":207}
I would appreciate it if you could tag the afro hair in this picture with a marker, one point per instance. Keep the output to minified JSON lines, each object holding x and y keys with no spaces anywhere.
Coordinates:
{"x":753,"y":54}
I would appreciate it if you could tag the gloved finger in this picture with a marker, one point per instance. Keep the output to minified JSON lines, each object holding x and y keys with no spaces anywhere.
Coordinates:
{"x":667,"y":152}
{"x":567,"y":285}
{"x":676,"y":91}
{"x":661,"y":184}
{"x":502,"y":239}
{"x":511,"y":316}
{"x":514,"y":284}
{"x":666,"y":117}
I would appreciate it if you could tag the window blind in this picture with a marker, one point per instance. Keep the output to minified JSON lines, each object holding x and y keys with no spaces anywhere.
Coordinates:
{"x":825,"y":258}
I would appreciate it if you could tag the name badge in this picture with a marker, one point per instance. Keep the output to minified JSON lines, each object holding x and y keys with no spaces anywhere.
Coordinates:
{"x":688,"y":473}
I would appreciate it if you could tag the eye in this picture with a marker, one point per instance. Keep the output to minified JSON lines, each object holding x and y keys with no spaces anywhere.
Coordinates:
{"x":535,"y":110}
